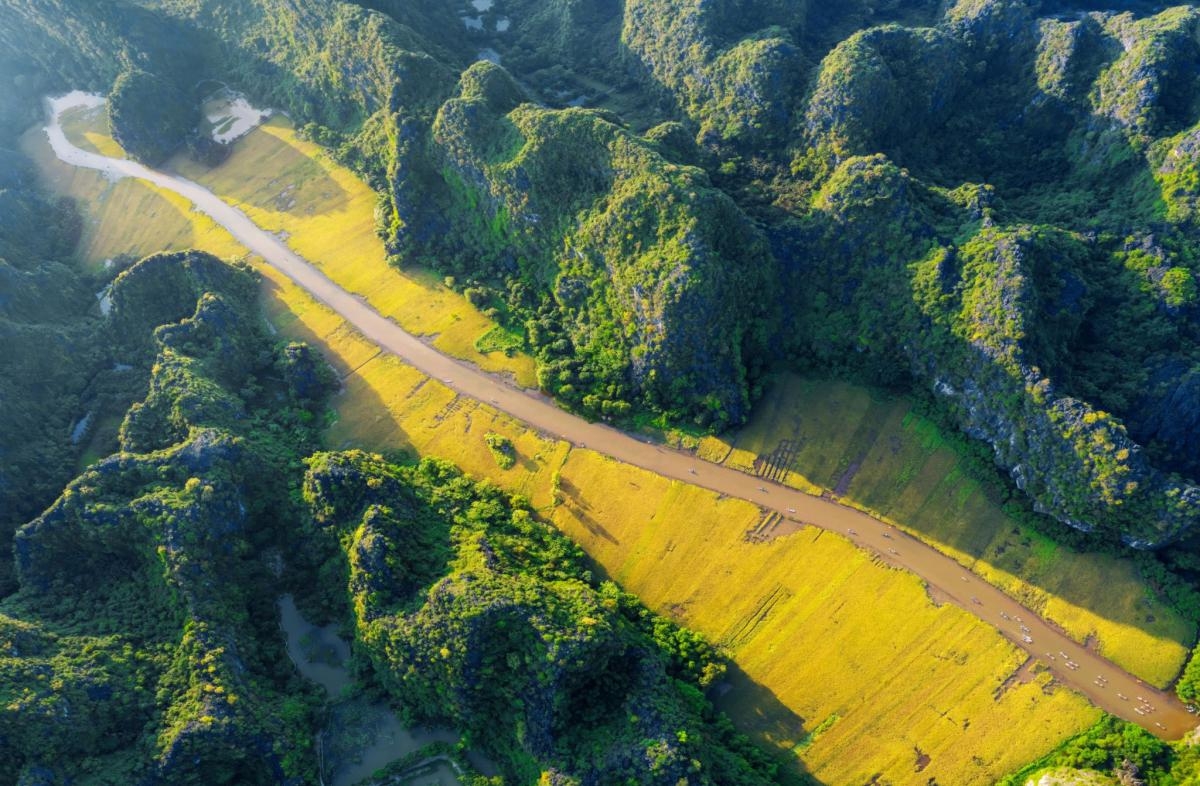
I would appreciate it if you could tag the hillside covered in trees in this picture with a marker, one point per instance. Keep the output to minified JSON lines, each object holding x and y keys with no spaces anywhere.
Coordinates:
{"x":142,"y":644}
{"x":990,"y":203}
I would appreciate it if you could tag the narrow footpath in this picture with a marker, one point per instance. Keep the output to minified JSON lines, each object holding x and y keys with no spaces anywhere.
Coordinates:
{"x":1105,"y":684}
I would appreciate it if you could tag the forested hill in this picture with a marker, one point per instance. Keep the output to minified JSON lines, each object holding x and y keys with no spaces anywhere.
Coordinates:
{"x":990,"y":202}
{"x":991,"y":205}
{"x":51,"y":366}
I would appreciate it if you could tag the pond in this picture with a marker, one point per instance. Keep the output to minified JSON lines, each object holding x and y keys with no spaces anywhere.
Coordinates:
{"x":230,"y":115}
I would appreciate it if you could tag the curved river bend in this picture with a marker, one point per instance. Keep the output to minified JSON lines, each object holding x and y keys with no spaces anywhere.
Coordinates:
{"x":1104,"y":683}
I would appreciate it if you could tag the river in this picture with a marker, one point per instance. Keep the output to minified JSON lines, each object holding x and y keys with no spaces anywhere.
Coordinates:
{"x":1105,"y":684}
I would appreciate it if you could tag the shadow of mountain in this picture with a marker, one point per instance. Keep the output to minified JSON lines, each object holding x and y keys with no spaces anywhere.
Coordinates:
{"x":270,"y":172}
{"x":760,"y":715}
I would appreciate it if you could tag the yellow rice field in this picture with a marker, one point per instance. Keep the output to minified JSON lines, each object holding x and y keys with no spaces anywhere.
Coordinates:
{"x":290,"y":186}
{"x":885,"y":458}
{"x":819,"y":630}
{"x":129,"y":218}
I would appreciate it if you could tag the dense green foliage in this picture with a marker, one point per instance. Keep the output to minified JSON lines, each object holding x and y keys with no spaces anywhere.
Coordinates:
{"x":606,"y":265}
{"x":475,"y":613}
{"x":49,"y":354}
{"x":637,"y":281}
{"x":990,"y":202}
{"x":1039,"y":340}
{"x":142,"y":644}
{"x":640,"y":287}
{"x":1128,"y":752}
{"x":150,"y":117}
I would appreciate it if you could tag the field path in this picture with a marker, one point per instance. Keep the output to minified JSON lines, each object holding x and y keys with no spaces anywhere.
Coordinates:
{"x":1106,"y":685}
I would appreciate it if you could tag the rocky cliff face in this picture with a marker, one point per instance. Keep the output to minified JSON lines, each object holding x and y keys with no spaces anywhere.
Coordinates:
{"x":735,"y":88}
{"x":658,"y":281}
{"x":862,"y":136}
{"x":1076,"y":462}
{"x":1025,"y":333}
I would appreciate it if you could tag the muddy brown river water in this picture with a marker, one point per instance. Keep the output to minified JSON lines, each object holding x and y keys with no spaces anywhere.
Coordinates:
{"x":1106,"y":685}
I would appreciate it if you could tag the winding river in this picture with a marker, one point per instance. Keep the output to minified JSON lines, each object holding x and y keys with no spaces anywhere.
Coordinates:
{"x":1108,"y":686}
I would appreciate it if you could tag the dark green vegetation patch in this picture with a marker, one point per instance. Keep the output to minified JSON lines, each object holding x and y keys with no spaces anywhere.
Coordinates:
{"x":142,"y":645}
{"x":150,"y":116}
{"x":474,"y":613}
{"x":992,"y":203}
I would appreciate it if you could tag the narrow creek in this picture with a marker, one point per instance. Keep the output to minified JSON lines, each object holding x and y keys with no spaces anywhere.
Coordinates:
{"x":323,"y":657}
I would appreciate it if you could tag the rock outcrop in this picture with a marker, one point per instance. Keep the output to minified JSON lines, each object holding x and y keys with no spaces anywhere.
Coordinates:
{"x":1036,"y":340}
{"x":655,"y":281}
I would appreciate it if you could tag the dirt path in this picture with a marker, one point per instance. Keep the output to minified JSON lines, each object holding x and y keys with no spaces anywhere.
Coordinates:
{"x":1104,"y":683}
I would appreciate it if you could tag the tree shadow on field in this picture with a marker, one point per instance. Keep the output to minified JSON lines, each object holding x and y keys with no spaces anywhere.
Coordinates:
{"x":274,"y":173}
{"x":759,"y":714}
{"x":577,"y":506}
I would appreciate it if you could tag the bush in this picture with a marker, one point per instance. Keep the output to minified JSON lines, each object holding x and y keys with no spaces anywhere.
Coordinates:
{"x":502,"y":449}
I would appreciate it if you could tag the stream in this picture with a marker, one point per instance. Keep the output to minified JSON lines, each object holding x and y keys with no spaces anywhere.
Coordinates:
{"x":322,"y":656}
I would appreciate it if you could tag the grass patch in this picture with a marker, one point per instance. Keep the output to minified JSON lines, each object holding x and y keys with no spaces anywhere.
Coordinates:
{"x":500,"y":339}
{"x":817,"y":731}
{"x":87,"y":128}
{"x":102,"y":442}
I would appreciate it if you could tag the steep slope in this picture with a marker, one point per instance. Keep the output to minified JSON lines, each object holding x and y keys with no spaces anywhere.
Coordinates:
{"x":645,"y":284}
{"x":641,"y":287}
{"x":1036,"y":340}
{"x":737,"y":69}
{"x":473,"y":612}
{"x":50,"y":354}
{"x":142,"y":647}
